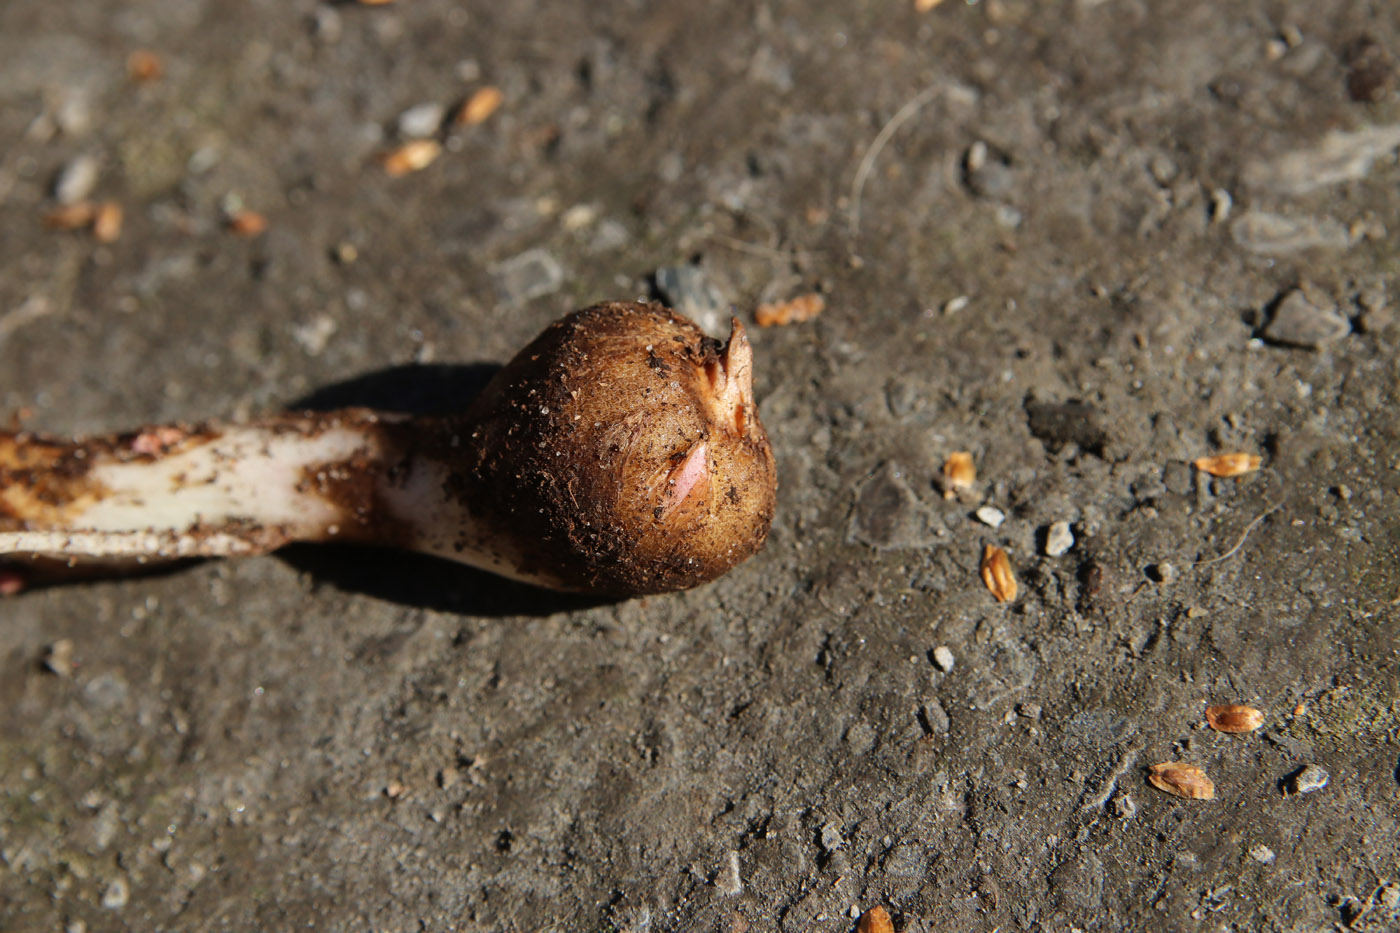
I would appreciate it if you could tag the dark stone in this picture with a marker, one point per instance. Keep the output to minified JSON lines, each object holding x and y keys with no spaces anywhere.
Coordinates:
{"x":1060,"y":423}
{"x":888,"y":514}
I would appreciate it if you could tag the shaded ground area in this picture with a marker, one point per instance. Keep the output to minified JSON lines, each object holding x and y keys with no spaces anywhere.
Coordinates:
{"x":1095,"y":241}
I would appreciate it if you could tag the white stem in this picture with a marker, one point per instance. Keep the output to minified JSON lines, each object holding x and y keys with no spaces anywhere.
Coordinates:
{"x":167,"y":492}
{"x":172,"y":492}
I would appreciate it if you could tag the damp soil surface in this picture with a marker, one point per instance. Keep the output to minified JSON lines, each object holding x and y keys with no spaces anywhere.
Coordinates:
{"x":1087,"y":241}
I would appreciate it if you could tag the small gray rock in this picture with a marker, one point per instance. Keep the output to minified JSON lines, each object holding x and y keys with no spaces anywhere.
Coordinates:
{"x":1308,"y":779}
{"x":860,"y":738}
{"x":1298,"y":322}
{"x":936,"y":718}
{"x":421,"y":120}
{"x":991,"y":516}
{"x":1177,"y":478}
{"x":988,"y":174}
{"x":831,"y":837}
{"x":889,"y":515}
{"x":76,"y":181}
{"x":1261,"y":854}
{"x":1058,"y":539}
{"x":690,"y":291}
{"x":943,"y":658}
{"x":1278,"y":235}
{"x":1162,"y":573}
{"x":532,"y":274}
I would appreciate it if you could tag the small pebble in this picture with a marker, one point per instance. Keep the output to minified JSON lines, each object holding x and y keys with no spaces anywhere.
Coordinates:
{"x":1299,"y":322}
{"x":991,"y":515}
{"x":578,"y":217}
{"x":1162,"y":573}
{"x":937,"y":717}
{"x":943,"y":658}
{"x":531,"y":274}
{"x":1124,"y":807}
{"x":1277,"y":234}
{"x":1220,"y":204}
{"x":1008,"y":216}
{"x":831,"y":837}
{"x":1058,"y":539}
{"x":1309,"y":779}
{"x":1262,"y":854}
{"x":116,"y":895}
{"x":58,"y":658}
{"x":421,"y":121}
{"x":76,"y":181}
{"x":987,"y":174}
{"x":888,"y":513}
{"x":690,"y":291}
{"x":954,"y":305}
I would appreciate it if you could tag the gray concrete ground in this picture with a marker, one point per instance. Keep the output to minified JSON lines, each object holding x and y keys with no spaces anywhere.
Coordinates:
{"x":1086,"y":241}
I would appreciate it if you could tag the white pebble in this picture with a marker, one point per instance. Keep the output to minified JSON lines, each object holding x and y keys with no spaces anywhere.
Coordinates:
{"x":1058,"y":539}
{"x":991,"y":515}
{"x":421,"y":121}
{"x":76,"y":181}
{"x":1220,"y":204}
{"x":1261,"y":854}
{"x":943,"y":657}
{"x":578,"y":216}
{"x":1309,"y":779}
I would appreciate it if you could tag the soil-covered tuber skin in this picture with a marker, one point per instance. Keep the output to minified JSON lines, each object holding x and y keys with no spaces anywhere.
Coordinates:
{"x":618,"y":454}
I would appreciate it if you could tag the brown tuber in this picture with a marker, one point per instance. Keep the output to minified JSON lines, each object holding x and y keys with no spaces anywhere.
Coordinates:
{"x":620,"y":453}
